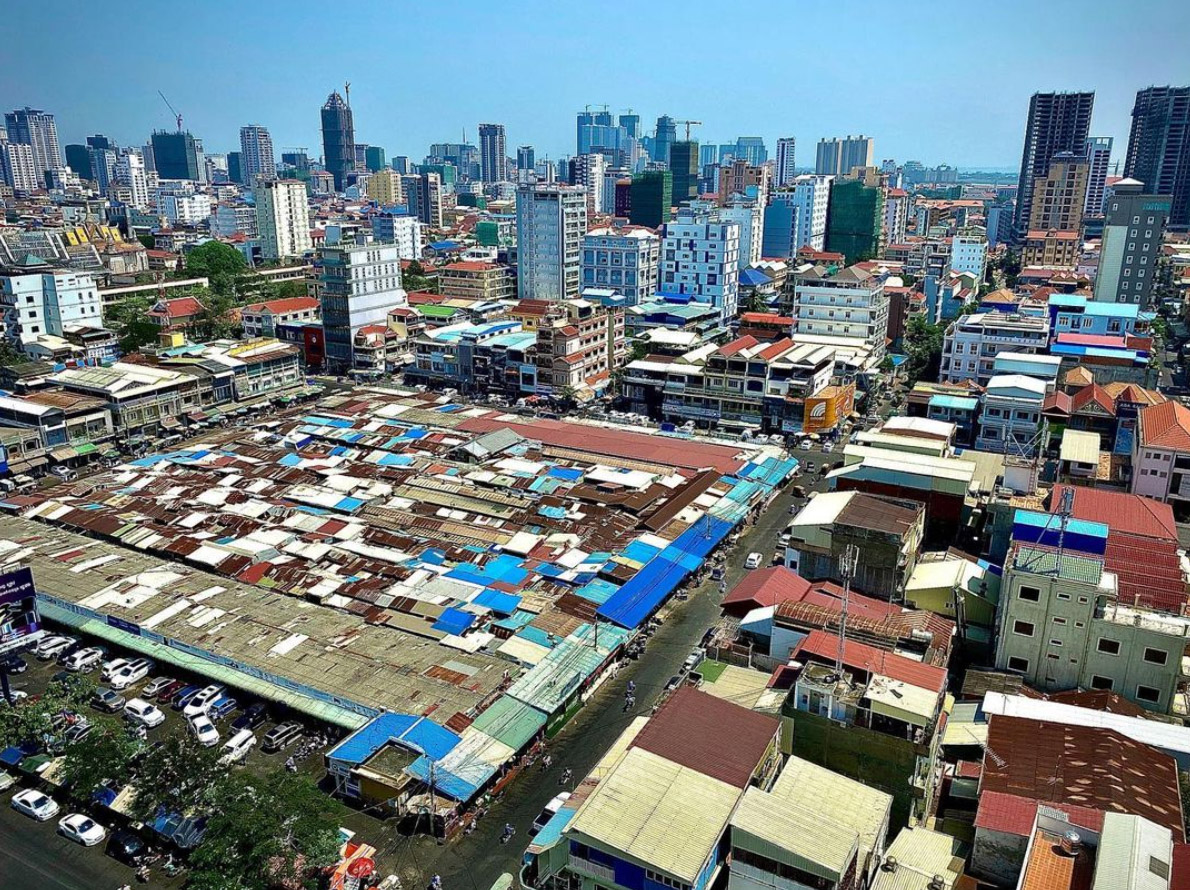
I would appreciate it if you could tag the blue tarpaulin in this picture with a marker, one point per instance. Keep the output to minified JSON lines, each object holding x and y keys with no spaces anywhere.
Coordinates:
{"x":454,"y":621}
{"x":499,"y":602}
{"x":408,"y":730}
{"x":444,"y":782}
{"x":11,"y":756}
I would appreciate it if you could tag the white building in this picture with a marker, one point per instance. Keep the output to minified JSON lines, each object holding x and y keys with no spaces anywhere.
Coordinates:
{"x":610,"y":178}
{"x":969,"y":253}
{"x":402,"y":230}
{"x":182,"y":209}
{"x":18,"y":167}
{"x":750,"y":216}
{"x":130,"y":172}
{"x":231,"y":219}
{"x":796,"y":217}
{"x":256,"y":154}
{"x":1011,"y":415}
{"x":973,"y":341}
{"x":589,"y":172}
{"x":37,"y":129}
{"x":359,"y":285}
{"x":37,"y":303}
{"x":626,"y":260}
{"x":842,"y":303}
{"x":700,"y":255}
{"x":785,"y":172}
{"x":896,"y":216}
{"x":282,"y":218}
{"x":551,"y":221}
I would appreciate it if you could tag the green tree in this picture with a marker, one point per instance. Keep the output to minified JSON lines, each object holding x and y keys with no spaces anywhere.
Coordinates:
{"x":414,"y":278}
{"x":218,"y":318}
{"x":219,"y":262}
{"x":10,"y":355}
{"x":105,"y":755}
{"x":1010,"y":265}
{"x":266,"y":832}
{"x":147,"y":241}
{"x":179,"y":775}
{"x":923,"y":348}
{"x":129,"y":320}
{"x":33,"y":720}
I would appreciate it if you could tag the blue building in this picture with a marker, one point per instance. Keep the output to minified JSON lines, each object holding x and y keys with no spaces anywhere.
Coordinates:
{"x":1070,"y":314}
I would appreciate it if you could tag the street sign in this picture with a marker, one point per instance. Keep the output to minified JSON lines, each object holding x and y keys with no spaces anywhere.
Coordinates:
{"x":20,"y":622}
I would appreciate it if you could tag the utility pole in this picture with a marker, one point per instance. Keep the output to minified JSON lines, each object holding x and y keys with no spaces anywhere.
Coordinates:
{"x":847,"y":565}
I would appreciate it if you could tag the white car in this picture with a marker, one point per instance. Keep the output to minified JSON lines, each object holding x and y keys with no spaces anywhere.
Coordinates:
{"x":112,"y":667}
{"x":205,"y":730}
{"x":81,"y":829}
{"x":46,"y":642}
{"x":84,"y":659}
{"x":141,"y":712}
{"x":6,"y":781}
{"x":35,"y":805}
{"x":753,"y":561}
{"x":203,"y":700}
{"x":127,"y":675}
{"x":54,"y":647}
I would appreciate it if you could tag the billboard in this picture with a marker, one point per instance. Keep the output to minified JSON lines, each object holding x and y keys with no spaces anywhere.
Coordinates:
{"x":827,"y":408}
{"x":20,"y":623}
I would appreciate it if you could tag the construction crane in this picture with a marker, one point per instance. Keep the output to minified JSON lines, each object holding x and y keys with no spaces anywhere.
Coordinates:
{"x":689,"y":124}
{"x":177,"y":116}
{"x":347,"y":93}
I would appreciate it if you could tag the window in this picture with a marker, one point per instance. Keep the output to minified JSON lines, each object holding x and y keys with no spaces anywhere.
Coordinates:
{"x":1159,"y":867}
{"x":1108,"y":647}
{"x":1022,"y":628}
{"x":1148,"y":693}
{"x":1059,"y":620}
{"x":1098,"y":682}
{"x":1018,"y":664}
{"x":1064,"y":596}
{"x":1031,"y":594}
{"x":1156,"y":656}
{"x":1057,"y":643}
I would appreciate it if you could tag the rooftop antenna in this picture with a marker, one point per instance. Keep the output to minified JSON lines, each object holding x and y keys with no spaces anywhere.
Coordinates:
{"x":347,"y":93}
{"x":847,"y":564}
{"x":1065,"y":509}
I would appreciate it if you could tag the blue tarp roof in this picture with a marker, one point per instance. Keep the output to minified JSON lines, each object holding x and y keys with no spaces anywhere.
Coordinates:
{"x":958,"y":403}
{"x":498,"y":601}
{"x":11,"y":756}
{"x":444,"y":782}
{"x":410,"y":730}
{"x":454,"y":621}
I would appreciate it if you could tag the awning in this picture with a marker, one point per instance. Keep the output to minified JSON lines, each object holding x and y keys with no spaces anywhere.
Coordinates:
{"x":196,"y":416}
{"x":85,"y":448}
{"x":111,"y":452}
{"x":170,"y":423}
{"x":66,"y":453}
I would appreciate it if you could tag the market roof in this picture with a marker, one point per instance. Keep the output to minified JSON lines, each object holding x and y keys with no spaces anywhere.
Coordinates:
{"x":689,"y":729}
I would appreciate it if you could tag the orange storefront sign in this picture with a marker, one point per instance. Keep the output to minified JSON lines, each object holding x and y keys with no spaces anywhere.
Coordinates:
{"x":825,"y":409}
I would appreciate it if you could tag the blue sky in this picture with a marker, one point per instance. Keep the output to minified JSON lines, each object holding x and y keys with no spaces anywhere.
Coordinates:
{"x":936,"y":82}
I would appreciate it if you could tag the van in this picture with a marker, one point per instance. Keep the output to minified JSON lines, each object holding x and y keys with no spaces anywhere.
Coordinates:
{"x":753,"y":561}
{"x":549,"y":812}
{"x":237,"y":747}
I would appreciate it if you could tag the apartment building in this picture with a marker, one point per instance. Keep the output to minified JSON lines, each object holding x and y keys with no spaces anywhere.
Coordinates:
{"x":700,"y":256}
{"x":476,"y":281}
{"x":972,"y":342}
{"x":969,"y":253}
{"x":402,"y":230}
{"x":262,"y":319}
{"x":796,"y":217}
{"x":579,"y":345}
{"x":1011,"y":415}
{"x":282,"y":218}
{"x":359,"y":285}
{"x":42,"y":301}
{"x":626,"y":260}
{"x":1161,"y":453}
{"x":551,"y":223}
{"x":847,"y":303}
{"x":1051,"y":248}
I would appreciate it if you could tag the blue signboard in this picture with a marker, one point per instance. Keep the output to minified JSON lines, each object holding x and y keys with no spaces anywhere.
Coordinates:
{"x":20,"y":622}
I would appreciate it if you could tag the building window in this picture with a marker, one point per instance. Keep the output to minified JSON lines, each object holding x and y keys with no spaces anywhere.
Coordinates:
{"x":1108,"y":647}
{"x":1098,"y":682}
{"x":1058,"y":620}
{"x":1032,"y":594}
{"x":1064,"y":596}
{"x":1057,"y":643}
{"x":1018,"y":664}
{"x":1148,"y":693}
{"x":1156,"y":656}
{"x":1022,"y":628}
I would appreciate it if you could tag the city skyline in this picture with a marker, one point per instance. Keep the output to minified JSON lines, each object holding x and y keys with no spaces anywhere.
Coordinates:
{"x":963,"y":123}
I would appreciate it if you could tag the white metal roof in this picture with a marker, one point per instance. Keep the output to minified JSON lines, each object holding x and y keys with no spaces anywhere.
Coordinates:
{"x":1126,"y":846}
{"x":823,"y":508}
{"x":920,"y":426}
{"x":1080,"y":446}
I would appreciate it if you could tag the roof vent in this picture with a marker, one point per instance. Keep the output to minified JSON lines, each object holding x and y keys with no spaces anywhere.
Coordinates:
{"x":889,"y":864}
{"x":1071,"y":843}
{"x":936,"y":883}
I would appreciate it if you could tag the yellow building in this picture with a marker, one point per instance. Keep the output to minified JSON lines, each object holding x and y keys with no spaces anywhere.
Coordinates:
{"x":384,"y":187}
{"x":1058,"y":197}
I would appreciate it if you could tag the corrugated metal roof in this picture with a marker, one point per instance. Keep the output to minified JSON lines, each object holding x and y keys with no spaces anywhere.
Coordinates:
{"x":658,"y":812}
{"x":510,"y":721}
{"x":793,"y":834}
{"x":1080,"y":446}
{"x":920,"y":854}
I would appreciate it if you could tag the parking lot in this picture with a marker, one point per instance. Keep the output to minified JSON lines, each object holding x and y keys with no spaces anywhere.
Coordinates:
{"x":67,"y":864}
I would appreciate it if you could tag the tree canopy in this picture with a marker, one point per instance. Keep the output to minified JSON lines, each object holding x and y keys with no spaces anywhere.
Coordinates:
{"x":923,"y":348}
{"x":219,"y":262}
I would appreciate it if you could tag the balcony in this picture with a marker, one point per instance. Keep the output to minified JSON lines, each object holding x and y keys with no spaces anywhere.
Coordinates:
{"x":592,"y":869}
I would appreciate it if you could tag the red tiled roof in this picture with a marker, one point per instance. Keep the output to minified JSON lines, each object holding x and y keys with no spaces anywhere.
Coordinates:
{"x":178,"y":307}
{"x":422,"y":297}
{"x":737,"y":345}
{"x":1093,"y":394}
{"x":871,"y":660}
{"x":1057,"y":401}
{"x":765,"y":318}
{"x":1126,"y":513}
{"x":771,"y":352}
{"x":468,"y":266}
{"x":710,"y":735}
{"x":288,"y":304}
{"x":1165,"y":426}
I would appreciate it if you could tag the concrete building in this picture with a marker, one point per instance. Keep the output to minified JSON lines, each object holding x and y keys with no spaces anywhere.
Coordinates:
{"x":130,"y":172}
{"x":742,"y":178}
{"x":476,"y":281}
{"x":1159,"y":148}
{"x":1011,"y":416}
{"x":1161,"y":453}
{"x":37,"y":129}
{"x":282,"y":218}
{"x":422,"y":192}
{"x":651,"y":199}
{"x":624,"y":259}
{"x":786,"y":168}
{"x":230,"y":219}
{"x":854,"y":221}
{"x":845,"y":303}
{"x":18,"y":167}
{"x":1060,"y":195}
{"x":402,"y":230}
{"x":176,"y":156}
{"x":589,"y":171}
{"x":683,"y":164}
{"x":796,"y":217}
{"x":700,"y":256}
{"x":384,"y":187}
{"x":837,"y":157}
{"x":1134,"y":227}
{"x":1051,"y":249}
{"x":972,"y":343}
{"x":896,"y":216}
{"x":46,"y":301}
{"x":338,"y":139}
{"x":262,"y":319}
{"x":1057,"y":122}
{"x":1098,"y":162}
{"x":666,"y":136}
{"x":256,"y":154}
{"x":969,"y":253}
{"x":749,"y":214}
{"x":358,"y":286}
{"x":493,"y":153}
{"x":551,"y":222}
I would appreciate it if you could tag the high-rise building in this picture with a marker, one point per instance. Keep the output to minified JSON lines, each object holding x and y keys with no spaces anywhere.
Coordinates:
{"x":837,"y":157}
{"x":551,"y":221}
{"x":44,"y":302}
{"x":588,"y":171}
{"x":18,"y":167}
{"x":700,"y":256}
{"x":708,"y":156}
{"x":338,"y":139}
{"x":651,"y":198}
{"x":1133,"y":228}
{"x":826,"y":160}
{"x":969,"y":253}
{"x":748,"y":213}
{"x":78,"y":159}
{"x":585,"y":120}
{"x":374,"y":158}
{"x":103,"y":168}
{"x":786,"y":171}
{"x":625,"y":260}
{"x":256,"y":154}
{"x":493,"y":155}
{"x":422,"y":192}
{"x":896,"y":216}
{"x":130,"y":172}
{"x":1058,"y":122}
{"x":1159,"y":148}
{"x":1059,"y":196}
{"x":854,"y":219}
{"x":282,"y":218}
{"x":359,"y":286}
{"x":752,"y":149}
{"x":235,"y":170}
{"x":101,"y":141}
{"x":176,"y":156}
{"x":297,"y":161}
{"x":742,"y":178}
{"x":400,"y":229}
{"x":1098,"y":160}
{"x":29,"y":126}
{"x":833,"y":302}
{"x":667,"y":135}
{"x":796,"y":216}
{"x":683,"y":163}
{"x":631,"y":124}
{"x":525,"y":158}
{"x":384,"y":187}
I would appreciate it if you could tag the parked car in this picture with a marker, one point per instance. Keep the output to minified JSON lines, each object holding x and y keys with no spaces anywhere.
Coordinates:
{"x":112,"y":667}
{"x":753,"y":561}
{"x":548,"y":812}
{"x":221,"y":708}
{"x":156,"y":685}
{"x":281,"y":737}
{"x":166,"y":694}
{"x":182,"y":696}
{"x":107,"y":700}
{"x":51,"y":647}
{"x":64,"y":473}
{"x":82,"y":830}
{"x":253,"y":716}
{"x":35,"y":805}
{"x":202,"y":700}
{"x":14,"y":664}
{"x":6,"y":781}
{"x":84,"y":660}
{"x":237,"y":747}
{"x":126,"y":847}
{"x":131,"y":673}
{"x":142,"y":713}
{"x":693,"y":660}
{"x":204,"y":730}
{"x":77,"y":732}
{"x":673,"y":683}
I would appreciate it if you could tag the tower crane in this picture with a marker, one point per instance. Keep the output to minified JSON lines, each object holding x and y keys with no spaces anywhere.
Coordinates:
{"x":689,"y":124}
{"x":177,"y":116}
